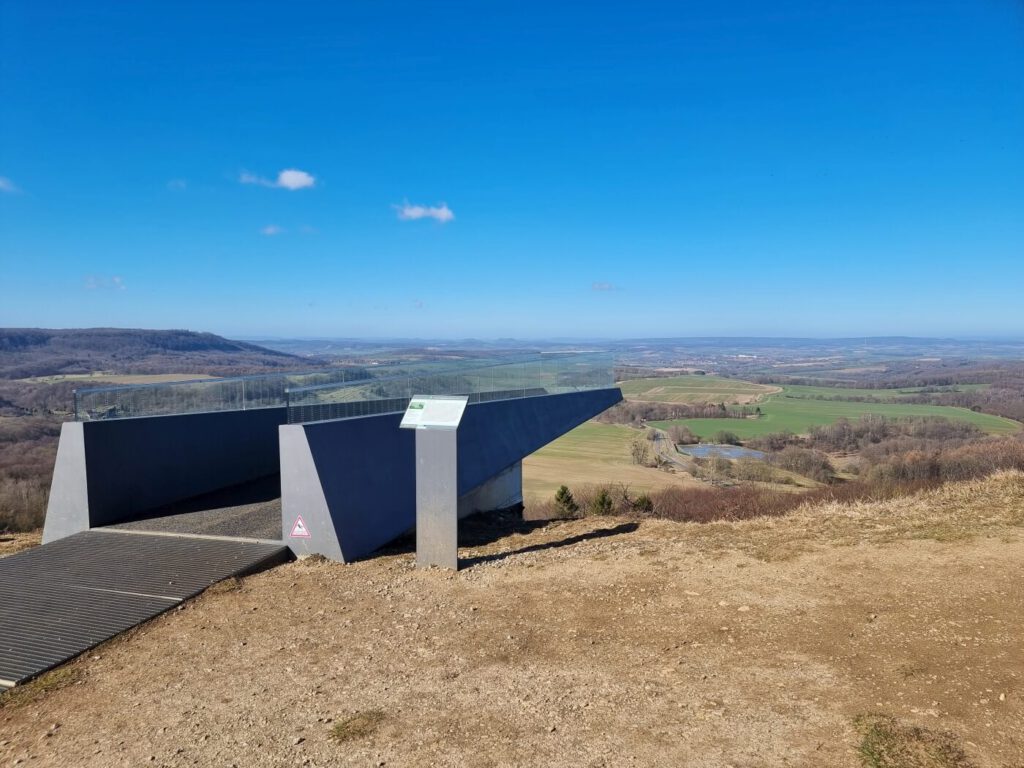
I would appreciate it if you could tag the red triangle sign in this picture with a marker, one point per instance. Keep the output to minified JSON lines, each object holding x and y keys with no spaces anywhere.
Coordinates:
{"x":299,"y":530}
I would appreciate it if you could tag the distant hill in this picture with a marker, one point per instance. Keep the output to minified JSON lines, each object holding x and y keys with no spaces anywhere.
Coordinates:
{"x":26,"y":352}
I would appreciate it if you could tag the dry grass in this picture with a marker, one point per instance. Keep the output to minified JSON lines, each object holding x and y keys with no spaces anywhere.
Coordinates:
{"x":888,"y":743}
{"x":37,"y":689}
{"x":222,"y":587}
{"x":357,"y":726}
{"x":10,"y":543}
{"x":950,"y":512}
{"x":953,"y":512}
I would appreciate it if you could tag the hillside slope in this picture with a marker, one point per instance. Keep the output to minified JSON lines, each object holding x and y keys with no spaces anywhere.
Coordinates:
{"x":827,"y":638}
{"x":27,"y":352}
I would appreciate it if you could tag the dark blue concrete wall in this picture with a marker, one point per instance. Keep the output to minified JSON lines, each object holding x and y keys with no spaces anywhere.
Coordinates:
{"x":494,"y":436}
{"x":366,"y":466}
{"x":136,"y":465}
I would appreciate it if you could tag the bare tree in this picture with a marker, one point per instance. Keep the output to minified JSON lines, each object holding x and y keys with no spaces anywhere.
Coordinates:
{"x":641,"y":451}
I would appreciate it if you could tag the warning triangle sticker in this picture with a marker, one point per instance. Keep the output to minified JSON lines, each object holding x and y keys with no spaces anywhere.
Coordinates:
{"x":299,"y":530}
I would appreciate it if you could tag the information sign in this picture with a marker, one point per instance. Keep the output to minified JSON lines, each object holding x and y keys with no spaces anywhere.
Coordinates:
{"x":434,"y":412}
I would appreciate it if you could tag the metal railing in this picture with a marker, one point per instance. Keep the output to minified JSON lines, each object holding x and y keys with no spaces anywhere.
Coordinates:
{"x":543,"y":374}
{"x":352,"y":390}
{"x":235,"y":393}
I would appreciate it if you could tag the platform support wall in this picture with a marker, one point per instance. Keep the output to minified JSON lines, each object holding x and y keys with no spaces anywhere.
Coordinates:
{"x":67,"y":511}
{"x":118,"y":470}
{"x":353,"y":481}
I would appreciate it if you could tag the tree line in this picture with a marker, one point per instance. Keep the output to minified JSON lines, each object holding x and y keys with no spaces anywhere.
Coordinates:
{"x":636,"y":412}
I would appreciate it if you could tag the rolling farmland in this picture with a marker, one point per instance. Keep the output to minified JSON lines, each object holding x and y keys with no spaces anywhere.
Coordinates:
{"x":847,"y":393}
{"x":695,"y":389}
{"x":118,"y":378}
{"x":591,"y":454}
{"x":599,"y":453}
{"x":783,"y":412}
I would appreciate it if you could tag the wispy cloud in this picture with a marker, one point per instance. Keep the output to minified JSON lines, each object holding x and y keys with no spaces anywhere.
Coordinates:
{"x":177,"y":184}
{"x":8,"y":186}
{"x":290,"y":178}
{"x":601,"y":286}
{"x":410,"y":212}
{"x":271,"y":229}
{"x":104,"y":282}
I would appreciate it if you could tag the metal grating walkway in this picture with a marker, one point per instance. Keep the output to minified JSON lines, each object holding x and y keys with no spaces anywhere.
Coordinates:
{"x":61,"y":599}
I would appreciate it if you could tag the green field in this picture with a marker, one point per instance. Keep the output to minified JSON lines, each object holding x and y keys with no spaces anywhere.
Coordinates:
{"x":694,"y":389}
{"x":592,"y":454}
{"x":880,"y":394}
{"x":798,"y":414}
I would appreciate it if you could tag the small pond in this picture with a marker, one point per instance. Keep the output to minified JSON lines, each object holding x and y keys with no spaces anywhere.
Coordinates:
{"x":707,"y":450}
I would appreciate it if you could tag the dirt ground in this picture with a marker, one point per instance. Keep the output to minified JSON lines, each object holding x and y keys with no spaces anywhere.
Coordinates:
{"x":880,"y":634}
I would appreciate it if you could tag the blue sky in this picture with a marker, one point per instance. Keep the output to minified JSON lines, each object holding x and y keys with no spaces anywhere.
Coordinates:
{"x":530,"y":169}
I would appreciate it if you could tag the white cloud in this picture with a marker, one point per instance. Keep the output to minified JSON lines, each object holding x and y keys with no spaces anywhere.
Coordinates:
{"x":441,"y":213}
{"x":8,"y":186}
{"x":294,"y":179}
{"x":290,"y":178}
{"x":271,"y":229}
{"x":103,"y":282}
{"x":599,"y":286}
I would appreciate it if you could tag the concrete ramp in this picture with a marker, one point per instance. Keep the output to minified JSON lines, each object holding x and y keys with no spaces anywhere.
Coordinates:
{"x":61,"y":599}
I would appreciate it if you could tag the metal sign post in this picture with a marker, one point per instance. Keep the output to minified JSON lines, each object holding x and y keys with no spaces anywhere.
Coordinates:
{"x":436,"y":421}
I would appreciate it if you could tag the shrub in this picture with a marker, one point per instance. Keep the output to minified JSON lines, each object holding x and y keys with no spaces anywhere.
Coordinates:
{"x":806,"y":462}
{"x":705,"y":505}
{"x":22,"y":503}
{"x":682,"y":435}
{"x":753,"y":470}
{"x":643,"y":504}
{"x":725,"y":437}
{"x":565,"y":503}
{"x":774,"y":441}
{"x":602,"y":503}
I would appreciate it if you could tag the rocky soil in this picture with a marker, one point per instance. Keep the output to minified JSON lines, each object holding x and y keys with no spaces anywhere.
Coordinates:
{"x":880,"y":634}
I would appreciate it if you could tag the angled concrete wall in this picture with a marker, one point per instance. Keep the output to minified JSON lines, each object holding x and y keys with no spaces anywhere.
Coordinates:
{"x":67,"y":511}
{"x":353,"y":481}
{"x":118,"y":470}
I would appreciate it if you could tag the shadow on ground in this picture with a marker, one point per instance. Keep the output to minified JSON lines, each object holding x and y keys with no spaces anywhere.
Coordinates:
{"x":251,"y":510}
{"x":263,"y":490}
{"x":481,"y":530}
{"x":600,"y":533}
